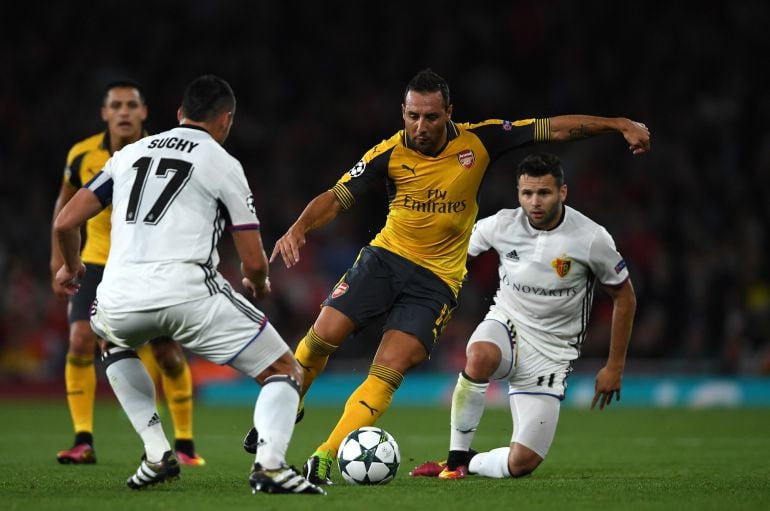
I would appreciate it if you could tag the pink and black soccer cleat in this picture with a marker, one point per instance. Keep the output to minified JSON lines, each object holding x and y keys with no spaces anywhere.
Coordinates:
{"x":81,"y":454}
{"x":428,"y":469}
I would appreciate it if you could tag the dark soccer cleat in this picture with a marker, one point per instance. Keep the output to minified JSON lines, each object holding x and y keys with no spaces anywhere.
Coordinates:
{"x":284,"y":479}
{"x":318,"y":468}
{"x":148,"y":474}
{"x":428,"y":469}
{"x":81,"y":454}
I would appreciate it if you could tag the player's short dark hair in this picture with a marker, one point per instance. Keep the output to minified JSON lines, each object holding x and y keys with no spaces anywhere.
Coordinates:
{"x":127,"y":83}
{"x":206,"y":97}
{"x":541,"y":164}
{"x":429,"y":81}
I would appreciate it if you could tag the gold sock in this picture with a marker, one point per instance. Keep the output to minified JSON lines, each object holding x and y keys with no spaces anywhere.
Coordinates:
{"x":312,"y":354}
{"x":80,"y":381}
{"x":365,"y":405}
{"x":178,"y":389}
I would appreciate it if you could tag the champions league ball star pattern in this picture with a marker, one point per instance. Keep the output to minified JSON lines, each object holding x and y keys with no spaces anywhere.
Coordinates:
{"x":369,"y":455}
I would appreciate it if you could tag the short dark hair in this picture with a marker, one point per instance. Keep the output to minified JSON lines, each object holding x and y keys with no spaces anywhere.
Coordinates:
{"x":541,"y":164}
{"x":429,"y":81}
{"x":206,"y":97}
{"x":127,"y":83}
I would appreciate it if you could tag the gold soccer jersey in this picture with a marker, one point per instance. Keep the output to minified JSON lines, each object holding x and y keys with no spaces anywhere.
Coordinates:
{"x":84,"y":161}
{"x":433,"y":199}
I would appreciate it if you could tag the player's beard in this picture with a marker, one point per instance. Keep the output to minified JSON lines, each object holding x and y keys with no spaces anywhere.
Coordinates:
{"x":548,"y":219}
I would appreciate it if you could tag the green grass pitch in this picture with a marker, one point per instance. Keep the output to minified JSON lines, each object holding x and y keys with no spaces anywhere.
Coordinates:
{"x":622,"y":458}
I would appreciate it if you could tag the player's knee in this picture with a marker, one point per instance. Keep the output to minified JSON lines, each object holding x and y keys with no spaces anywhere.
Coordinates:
{"x":285,"y":366}
{"x":483,"y":358}
{"x":82,"y":339}
{"x":333,"y":326}
{"x":522,"y":463}
{"x":400,"y":351}
{"x":402,"y":362}
{"x":169,"y":356}
{"x":521,"y":470}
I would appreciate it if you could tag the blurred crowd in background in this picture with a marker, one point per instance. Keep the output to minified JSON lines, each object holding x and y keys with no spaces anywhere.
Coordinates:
{"x":319,"y":83}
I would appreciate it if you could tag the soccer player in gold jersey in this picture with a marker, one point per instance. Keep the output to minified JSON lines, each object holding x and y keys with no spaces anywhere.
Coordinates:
{"x":124,"y":111}
{"x":411,"y":272}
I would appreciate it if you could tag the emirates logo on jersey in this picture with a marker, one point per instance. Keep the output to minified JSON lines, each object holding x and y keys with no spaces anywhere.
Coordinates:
{"x":562,"y":266}
{"x":340,"y":290}
{"x":466,"y":158}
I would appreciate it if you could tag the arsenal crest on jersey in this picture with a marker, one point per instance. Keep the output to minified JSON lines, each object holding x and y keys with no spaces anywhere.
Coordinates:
{"x":340,"y":290}
{"x":562,"y":266}
{"x":466,"y":158}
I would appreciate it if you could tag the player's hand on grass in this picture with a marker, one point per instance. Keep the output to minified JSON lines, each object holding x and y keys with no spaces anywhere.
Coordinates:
{"x":608,"y":383}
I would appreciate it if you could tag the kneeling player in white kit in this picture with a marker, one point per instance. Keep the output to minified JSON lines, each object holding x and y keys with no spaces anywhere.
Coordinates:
{"x":172,"y":196}
{"x":551,"y":257}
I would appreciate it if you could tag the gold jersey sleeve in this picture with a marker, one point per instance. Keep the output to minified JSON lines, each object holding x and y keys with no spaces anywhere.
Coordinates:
{"x":433,"y":199}
{"x":84,"y":161}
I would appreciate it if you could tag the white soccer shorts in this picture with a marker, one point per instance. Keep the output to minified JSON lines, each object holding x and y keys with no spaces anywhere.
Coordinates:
{"x":225,"y":329}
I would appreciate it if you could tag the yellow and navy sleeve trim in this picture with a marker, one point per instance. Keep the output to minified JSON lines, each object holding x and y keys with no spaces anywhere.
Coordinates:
{"x":542,"y":130}
{"x":343,"y":195}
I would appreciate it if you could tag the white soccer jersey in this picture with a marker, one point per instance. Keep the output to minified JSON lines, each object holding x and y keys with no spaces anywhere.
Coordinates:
{"x":547,"y":278}
{"x":172,"y":195}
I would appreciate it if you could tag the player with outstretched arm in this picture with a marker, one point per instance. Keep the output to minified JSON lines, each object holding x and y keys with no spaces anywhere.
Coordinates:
{"x":411,"y":272}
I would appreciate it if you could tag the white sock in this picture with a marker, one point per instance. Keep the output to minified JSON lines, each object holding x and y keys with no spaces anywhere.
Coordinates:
{"x":467,"y":409}
{"x":274,"y":416}
{"x":491,"y":464}
{"x":136,"y":392}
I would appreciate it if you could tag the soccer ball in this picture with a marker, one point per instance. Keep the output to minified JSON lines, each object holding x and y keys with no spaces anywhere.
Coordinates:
{"x":369,"y":455}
